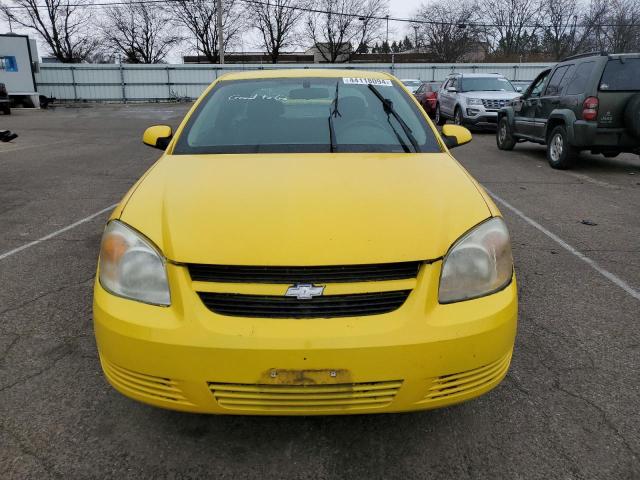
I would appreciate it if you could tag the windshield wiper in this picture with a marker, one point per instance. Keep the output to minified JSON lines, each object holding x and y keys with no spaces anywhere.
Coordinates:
{"x":389,"y":110}
{"x":334,"y":112}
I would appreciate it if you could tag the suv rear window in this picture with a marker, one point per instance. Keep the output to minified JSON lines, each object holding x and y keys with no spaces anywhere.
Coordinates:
{"x":621,"y":75}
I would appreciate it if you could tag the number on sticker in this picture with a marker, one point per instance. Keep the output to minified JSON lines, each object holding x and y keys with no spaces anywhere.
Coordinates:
{"x":367,"y":81}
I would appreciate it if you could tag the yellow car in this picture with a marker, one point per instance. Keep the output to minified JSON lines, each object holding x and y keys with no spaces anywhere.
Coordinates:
{"x":305,"y":245}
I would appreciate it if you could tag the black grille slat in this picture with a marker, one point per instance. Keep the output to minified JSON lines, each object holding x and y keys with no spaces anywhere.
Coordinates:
{"x":290,"y":275}
{"x":268,"y":306}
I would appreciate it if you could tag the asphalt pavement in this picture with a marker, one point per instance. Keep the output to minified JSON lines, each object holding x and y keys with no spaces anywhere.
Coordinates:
{"x":568,"y":409}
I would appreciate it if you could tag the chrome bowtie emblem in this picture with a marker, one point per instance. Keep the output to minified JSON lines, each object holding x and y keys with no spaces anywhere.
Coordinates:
{"x":304,"y":291}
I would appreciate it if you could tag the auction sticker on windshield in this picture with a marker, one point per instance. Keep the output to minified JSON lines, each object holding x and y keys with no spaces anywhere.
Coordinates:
{"x":367,"y":81}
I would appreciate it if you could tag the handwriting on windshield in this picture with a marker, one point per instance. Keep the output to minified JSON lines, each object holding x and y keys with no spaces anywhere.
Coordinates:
{"x":255,"y":96}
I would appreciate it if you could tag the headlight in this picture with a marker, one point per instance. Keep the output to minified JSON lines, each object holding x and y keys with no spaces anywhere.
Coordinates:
{"x":478,"y":264}
{"x":131,"y":267}
{"x":474,"y":101}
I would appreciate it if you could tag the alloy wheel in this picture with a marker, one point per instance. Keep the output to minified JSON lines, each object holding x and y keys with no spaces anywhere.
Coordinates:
{"x":556,"y":147}
{"x":502,"y":134}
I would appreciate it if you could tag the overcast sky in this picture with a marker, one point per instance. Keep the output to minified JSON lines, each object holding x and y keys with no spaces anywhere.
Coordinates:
{"x":398,"y":8}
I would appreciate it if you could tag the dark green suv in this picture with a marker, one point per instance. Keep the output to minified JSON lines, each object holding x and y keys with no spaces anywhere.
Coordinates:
{"x":586,"y":102}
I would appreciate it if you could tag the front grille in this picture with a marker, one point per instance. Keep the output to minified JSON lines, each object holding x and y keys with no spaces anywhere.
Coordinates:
{"x":291,"y":275}
{"x":459,"y":384}
{"x":494,"y":104}
{"x":328,"y":306}
{"x":149,"y":386}
{"x":315,"y":397}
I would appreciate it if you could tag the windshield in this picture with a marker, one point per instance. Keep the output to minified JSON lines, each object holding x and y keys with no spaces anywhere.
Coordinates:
{"x":301,"y":115}
{"x":486,"y":84}
{"x":621,"y":75}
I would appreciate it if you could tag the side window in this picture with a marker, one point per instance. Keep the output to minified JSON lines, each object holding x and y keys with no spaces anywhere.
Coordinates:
{"x":445,"y":85}
{"x":566,"y":79}
{"x":579,"y":81}
{"x":554,"y":87}
{"x":537,"y":87}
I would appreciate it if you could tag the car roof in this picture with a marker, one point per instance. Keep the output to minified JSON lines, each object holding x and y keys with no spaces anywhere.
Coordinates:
{"x":305,"y":73}
{"x":477,"y":75}
{"x":587,"y":55}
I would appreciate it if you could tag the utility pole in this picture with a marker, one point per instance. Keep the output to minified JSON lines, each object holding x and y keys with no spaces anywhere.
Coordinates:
{"x":387,"y":16}
{"x":220,"y":33}
{"x":415,"y":31}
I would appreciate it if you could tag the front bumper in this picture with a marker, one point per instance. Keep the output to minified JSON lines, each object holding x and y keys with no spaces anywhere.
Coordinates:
{"x":478,"y":117}
{"x":420,"y":356}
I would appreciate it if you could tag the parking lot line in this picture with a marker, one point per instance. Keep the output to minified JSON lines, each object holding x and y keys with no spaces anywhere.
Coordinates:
{"x":56,"y":233}
{"x":607,"y":274}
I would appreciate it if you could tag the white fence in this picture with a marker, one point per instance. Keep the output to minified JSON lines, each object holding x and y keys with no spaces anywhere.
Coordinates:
{"x":79,"y":82}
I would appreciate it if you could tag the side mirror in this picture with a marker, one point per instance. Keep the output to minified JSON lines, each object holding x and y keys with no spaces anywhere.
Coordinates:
{"x":158,"y":136}
{"x":451,"y":89}
{"x":518,"y":89}
{"x":455,"y":135}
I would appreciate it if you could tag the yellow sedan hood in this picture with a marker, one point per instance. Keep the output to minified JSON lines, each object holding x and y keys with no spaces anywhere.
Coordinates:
{"x":305,"y":209}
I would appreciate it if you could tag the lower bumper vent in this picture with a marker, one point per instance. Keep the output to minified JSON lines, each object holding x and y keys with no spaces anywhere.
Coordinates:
{"x":458,"y":384}
{"x":154,"y":388}
{"x":304,"y":397}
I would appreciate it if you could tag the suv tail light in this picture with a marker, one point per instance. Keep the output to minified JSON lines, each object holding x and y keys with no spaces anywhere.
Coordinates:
{"x":590,"y":108}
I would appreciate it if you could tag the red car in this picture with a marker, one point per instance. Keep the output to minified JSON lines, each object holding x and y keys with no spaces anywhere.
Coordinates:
{"x":427,"y":95}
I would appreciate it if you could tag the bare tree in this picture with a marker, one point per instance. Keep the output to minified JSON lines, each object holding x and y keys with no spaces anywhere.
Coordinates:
{"x":63,"y":25}
{"x":342,"y":26}
{"x":451,"y":34}
{"x":561,"y":36}
{"x":140,"y":32}
{"x":512,"y":24}
{"x":199,"y":18}
{"x":276,"y":22}
{"x":614,"y":25}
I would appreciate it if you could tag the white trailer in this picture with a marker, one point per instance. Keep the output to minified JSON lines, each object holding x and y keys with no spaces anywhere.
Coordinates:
{"x":18,"y":64}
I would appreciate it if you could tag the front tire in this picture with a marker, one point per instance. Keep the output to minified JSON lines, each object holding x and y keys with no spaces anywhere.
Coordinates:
{"x":7,"y":110}
{"x":560,"y":154}
{"x":438,"y":118}
{"x":457,"y":117}
{"x":504,"y":138}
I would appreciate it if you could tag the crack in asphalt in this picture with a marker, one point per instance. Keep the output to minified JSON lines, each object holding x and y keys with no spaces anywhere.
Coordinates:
{"x":556,"y":384}
{"x":26,"y":449}
{"x":557,"y":442}
{"x":45,"y":294}
{"x":67,"y":349}
{"x":603,"y":414}
{"x":7,"y":350}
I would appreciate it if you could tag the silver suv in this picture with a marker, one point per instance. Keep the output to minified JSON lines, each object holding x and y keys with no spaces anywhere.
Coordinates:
{"x":474,"y":99}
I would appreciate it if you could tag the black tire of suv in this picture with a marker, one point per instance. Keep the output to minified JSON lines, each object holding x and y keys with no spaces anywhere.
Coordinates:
{"x":567,"y":154}
{"x":632,"y":116}
{"x":438,"y":118}
{"x":7,"y":110}
{"x":457,"y":117}
{"x":504,"y":139}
